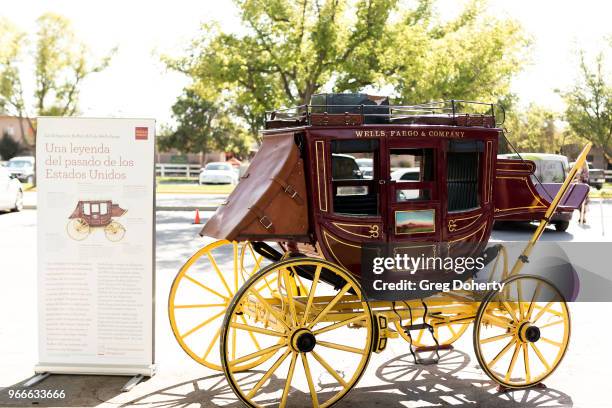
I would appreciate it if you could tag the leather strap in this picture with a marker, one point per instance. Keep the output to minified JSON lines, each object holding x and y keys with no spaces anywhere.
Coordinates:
{"x":289,"y":189}
{"x":263,"y":219}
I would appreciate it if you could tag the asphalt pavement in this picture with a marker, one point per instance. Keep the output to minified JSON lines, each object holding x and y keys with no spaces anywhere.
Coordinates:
{"x":391,"y":379}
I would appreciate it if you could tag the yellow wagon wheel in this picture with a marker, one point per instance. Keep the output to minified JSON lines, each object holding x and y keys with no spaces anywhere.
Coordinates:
{"x":521,"y":333}
{"x":445,"y":334}
{"x":114,"y":231}
{"x":201,"y":293}
{"x":320,"y":339}
{"x":78,"y":229}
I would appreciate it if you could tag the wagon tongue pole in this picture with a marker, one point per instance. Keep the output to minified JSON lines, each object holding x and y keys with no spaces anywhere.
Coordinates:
{"x":524,"y":257}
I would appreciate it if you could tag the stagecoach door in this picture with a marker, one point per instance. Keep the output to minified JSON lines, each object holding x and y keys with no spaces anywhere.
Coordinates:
{"x":414,"y":209}
{"x":349,"y":197}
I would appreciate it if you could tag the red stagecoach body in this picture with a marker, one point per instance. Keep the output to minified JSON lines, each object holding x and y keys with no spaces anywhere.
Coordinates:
{"x":303,"y":189}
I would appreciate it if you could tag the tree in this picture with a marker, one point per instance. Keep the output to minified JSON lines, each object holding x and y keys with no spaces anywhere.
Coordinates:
{"x":534,"y":130}
{"x":203,"y":126}
{"x":287,"y":50}
{"x":589,"y":104}
{"x":61,"y":64}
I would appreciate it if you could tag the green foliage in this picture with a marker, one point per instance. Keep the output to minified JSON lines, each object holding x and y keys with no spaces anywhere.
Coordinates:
{"x":589,"y":104}
{"x":288,"y":50}
{"x":61,"y":64}
{"x":203,"y":126}
{"x":534,"y":130}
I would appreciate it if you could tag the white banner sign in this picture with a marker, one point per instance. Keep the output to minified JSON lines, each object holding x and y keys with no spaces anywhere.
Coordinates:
{"x":96,"y":240}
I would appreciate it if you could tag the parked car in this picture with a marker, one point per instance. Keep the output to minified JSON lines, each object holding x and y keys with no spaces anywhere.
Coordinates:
{"x":11,"y":192}
{"x":366,"y":165}
{"x":551,"y":170}
{"x":597,"y":177}
{"x":406,"y":174}
{"x":218,"y":173}
{"x":22,"y":167}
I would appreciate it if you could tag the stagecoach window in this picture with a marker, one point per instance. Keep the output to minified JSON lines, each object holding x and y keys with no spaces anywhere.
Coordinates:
{"x":95,"y":209}
{"x":463,"y":160}
{"x":103,"y":208}
{"x":409,"y":166}
{"x":86,"y":208}
{"x":353,"y":174}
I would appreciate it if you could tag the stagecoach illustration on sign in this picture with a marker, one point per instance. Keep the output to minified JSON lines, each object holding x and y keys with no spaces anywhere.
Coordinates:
{"x":90,"y":215}
{"x":277,"y":303}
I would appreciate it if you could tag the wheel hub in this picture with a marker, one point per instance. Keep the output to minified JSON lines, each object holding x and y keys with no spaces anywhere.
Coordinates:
{"x":529,"y":333}
{"x":303,"y":341}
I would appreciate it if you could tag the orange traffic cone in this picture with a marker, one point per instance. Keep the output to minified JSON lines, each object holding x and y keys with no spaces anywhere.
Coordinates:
{"x":197,"y":217}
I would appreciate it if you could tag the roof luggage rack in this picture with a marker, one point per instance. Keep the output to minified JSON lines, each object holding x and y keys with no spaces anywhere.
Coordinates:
{"x":449,"y":113}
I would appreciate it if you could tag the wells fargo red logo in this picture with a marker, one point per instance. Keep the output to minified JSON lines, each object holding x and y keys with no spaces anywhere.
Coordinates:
{"x":141,"y":133}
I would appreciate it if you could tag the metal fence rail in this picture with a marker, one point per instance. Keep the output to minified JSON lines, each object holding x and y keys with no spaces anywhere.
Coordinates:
{"x":177,"y":170}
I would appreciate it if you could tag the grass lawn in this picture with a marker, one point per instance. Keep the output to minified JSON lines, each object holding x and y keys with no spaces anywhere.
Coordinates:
{"x":193,"y":188}
{"x":176,"y":187}
{"x":605,"y":192}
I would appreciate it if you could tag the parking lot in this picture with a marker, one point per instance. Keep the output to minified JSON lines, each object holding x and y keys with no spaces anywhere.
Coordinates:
{"x":391,"y":379}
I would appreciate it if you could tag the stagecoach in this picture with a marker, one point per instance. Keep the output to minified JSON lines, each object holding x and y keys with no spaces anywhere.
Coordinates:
{"x":92,"y":214}
{"x":277,"y":301}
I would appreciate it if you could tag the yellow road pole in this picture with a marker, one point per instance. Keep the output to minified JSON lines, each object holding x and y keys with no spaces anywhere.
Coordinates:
{"x":524,"y":257}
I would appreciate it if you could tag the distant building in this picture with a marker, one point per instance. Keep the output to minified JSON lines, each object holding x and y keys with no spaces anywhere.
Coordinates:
{"x":596,"y":156}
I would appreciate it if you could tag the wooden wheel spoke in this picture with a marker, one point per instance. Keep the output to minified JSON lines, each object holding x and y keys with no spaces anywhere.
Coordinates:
{"x":269,"y":308}
{"x":495,"y":338}
{"x":329,"y":369}
{"x":212,"y":260}
{"x":517,"y":348}
{"x":549,"y":341}
{"x":204,"y":323}
{"x":450,"y":327}
{"x":509,"y":309}
{"x":258,"y":353}
{"x":290,"y":300}
{"x":200,"y":284}
{"x":251,"y":335}
{"x":502,"y":321}
{"x":420,"y":335}
{"x":536,"y":293}
{"x":330,"y":305}
{"x":338,"y":325}
{"x":341,"y":347}
{"x":235,"y":245}
{"x":311,"y":388}
{"x":268,"y":374}
{"x":283,"y":402}
{"x":200,"y":305}
{"x":267,"y":284}
{"x":551,"y":324}
{"x":519,"y":292}
{"x":526,"y":362}
{"x":501,"y":353}
{"x":542,"y":311}
{"x":255,"y":329}
{"x":313,"y":287}
{"x":540,"y":356}
{"x":211,"y":344}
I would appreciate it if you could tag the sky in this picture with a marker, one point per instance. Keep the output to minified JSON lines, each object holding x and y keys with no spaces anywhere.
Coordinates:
{"x":137,"y":84}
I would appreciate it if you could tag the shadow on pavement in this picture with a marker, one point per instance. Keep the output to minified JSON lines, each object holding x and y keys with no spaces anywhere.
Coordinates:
{"x":210,"y":391}
{"x":447,"y":384}
{"x":403,"y":384}
{"x":79,"y":391}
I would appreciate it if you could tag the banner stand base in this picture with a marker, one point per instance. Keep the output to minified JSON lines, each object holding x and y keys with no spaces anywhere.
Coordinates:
{"x":36,"y":379}
{"x":132,"y":383}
